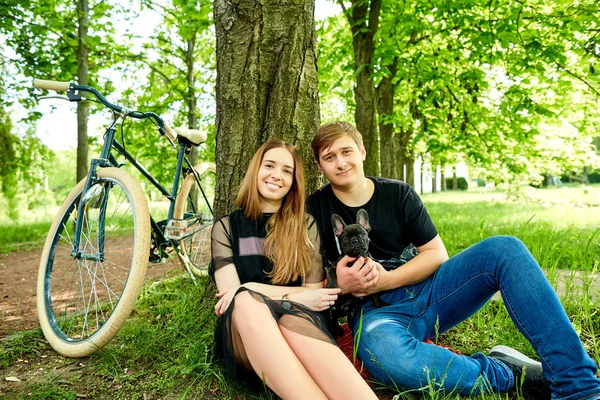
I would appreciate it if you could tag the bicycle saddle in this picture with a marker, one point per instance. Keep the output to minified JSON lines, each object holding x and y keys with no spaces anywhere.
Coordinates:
{"x":193,"y":135}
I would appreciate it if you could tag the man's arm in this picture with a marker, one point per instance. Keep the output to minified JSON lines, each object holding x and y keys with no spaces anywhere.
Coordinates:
{"x":431,"y":255}
{"x":367,"y":277}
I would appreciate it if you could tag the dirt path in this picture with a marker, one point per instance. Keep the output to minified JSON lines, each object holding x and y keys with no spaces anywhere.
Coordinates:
{"x":18,"y":279}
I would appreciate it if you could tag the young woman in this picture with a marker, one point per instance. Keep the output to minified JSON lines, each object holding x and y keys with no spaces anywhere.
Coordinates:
{"x":269,"y":272}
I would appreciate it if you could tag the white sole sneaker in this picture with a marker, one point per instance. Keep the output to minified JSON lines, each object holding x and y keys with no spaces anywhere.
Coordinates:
{"x":508,"y":353}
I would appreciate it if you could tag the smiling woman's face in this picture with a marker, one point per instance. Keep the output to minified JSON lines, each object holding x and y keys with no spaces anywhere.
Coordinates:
{"x":275,"y":178}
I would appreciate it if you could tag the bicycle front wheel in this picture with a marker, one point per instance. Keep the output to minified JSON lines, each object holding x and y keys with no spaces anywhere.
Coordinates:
{"x":192,"y":206}
{"x":84,"y":298}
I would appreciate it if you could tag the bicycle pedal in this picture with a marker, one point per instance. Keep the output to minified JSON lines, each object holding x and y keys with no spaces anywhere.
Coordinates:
{"x":176,"y":229}
{"x":154,"y":258}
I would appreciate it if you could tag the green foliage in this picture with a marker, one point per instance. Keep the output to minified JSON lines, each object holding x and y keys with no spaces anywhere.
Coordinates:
{"x":179,"y":64}
{"x":37,"y":32}
{"x":61,"y":177}
{"x":22,"y":160}
{"x":336,"y":69}
{"x":514,"y":95}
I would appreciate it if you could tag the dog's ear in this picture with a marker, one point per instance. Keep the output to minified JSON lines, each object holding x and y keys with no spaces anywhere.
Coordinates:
{"x":338,"y":224}
{"x":362,"y":218}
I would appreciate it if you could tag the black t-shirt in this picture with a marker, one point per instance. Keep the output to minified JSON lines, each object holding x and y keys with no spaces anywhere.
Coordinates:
{"x":396,"y":214}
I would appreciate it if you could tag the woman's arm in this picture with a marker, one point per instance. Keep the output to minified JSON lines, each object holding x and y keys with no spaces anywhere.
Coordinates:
{"x":313,"y":296}
{"x":275,"y":292}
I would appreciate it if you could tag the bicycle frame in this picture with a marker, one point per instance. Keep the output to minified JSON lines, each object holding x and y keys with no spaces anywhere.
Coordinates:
{"x":107,"y":159}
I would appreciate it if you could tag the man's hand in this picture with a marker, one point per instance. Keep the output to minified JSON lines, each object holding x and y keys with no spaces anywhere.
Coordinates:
{"x":381,"y":278}
{"x":361,"y":277}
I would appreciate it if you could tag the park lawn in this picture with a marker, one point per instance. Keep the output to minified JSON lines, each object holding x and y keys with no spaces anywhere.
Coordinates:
{"x":561,"y":226}
{"x":165,"y":348}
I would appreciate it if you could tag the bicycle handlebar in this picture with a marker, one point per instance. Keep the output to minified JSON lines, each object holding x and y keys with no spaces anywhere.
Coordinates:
{"x":58,"y":86}
{"x":51,"y":85}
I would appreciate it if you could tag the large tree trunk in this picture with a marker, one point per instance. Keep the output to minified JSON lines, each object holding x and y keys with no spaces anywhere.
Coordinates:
{"x":454,"y":178}
{"x":266,"y":86}
{"x":385,"y":105}
{"x":443,"y":178}
{"x":422,"y":173}
{"x":433,"y":177}
{"x":403,"y":138}
{"x":82,"y":79}
{"x":398,"y":157}
{"x":363,"y":17}
{"x":410,"y":170}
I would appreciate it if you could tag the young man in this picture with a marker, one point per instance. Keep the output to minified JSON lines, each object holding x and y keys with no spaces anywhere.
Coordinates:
{"x":431,"y":293}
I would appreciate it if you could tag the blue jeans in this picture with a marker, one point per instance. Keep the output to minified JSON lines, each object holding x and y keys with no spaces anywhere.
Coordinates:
{"x":391,"y":338}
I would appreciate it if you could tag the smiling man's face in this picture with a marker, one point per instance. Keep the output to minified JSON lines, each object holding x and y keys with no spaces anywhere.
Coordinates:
{"x":342,"y":162}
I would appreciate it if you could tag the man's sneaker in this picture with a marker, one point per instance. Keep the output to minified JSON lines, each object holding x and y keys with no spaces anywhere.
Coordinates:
{"x":534,"y":384}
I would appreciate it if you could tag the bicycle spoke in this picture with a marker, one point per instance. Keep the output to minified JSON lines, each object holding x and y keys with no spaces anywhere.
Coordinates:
{"x":85,"y":291}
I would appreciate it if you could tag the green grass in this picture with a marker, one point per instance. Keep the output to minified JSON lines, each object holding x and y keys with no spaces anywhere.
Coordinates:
{"x":23,"y":236}
{"x":558,"y":230}
{"x":166,"y":348}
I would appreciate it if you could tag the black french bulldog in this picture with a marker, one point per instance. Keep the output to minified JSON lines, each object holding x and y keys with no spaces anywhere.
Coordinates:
{"x":353,"y":241}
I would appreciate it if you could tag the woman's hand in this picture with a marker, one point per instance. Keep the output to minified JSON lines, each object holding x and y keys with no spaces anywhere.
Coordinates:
{"x":225,"y":297}
{"x":316,"y":299}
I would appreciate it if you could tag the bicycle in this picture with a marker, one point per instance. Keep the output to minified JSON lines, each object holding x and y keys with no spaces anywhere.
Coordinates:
{"x":95,"y":256}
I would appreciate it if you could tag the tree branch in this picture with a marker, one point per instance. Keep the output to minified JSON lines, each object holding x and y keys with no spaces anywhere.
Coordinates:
{"x":374,"y":12}
{"x":347,"y":13}
{"x":574,"y":75}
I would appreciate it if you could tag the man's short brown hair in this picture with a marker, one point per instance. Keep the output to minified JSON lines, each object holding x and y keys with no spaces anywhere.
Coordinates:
{"x":332,"y":131}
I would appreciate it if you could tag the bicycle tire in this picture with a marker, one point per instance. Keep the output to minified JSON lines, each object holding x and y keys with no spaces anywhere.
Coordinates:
{"x":74,"y":322}
{"x":190,"y":205}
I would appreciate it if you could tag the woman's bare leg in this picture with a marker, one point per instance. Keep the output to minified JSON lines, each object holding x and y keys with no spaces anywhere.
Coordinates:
{"x":268,"y":352}
{"x":328,"y":366}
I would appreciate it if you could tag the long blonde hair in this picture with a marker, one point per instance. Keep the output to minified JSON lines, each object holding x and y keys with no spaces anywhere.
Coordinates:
{"x":287,"y":244}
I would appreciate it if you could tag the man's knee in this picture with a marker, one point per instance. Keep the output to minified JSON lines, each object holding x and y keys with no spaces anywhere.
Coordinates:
{"x":505,"y":244}
{"x":385,"y":351}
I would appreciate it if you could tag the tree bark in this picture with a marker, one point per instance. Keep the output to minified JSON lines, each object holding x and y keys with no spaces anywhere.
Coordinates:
{"x":82,"y":79}
{"x":191,"y":94}
{"x":406,"y":156}
{"x":398,"y":158}
{"x":443,"y":178}
{"x":363,"y":17}
{"x":385,"y":108}
{"x":410,"y":170}
{"x":433,"y":177}
{"x":422,"y":172}
{"x":266,"y":86}
{"x":454,"y":179}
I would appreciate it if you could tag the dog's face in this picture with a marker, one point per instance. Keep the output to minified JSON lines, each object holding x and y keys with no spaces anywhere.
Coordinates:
{"x":353,"y":238}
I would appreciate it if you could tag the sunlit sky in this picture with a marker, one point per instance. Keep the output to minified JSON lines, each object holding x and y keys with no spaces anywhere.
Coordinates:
{"x":58,"y":128}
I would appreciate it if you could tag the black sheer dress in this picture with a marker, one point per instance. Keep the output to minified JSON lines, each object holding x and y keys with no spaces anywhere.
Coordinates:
{"x":238,"y":241}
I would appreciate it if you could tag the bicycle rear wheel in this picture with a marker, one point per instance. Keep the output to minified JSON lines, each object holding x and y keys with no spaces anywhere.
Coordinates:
{"x":84,"y":300}
{"x":191,"y":206}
